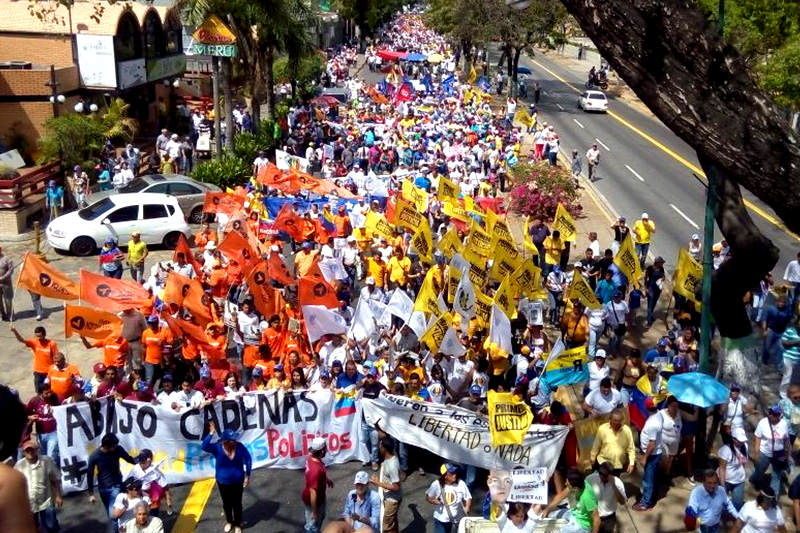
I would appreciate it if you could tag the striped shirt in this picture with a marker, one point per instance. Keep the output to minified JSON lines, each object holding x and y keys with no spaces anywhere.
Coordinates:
{"x":791,"y":352}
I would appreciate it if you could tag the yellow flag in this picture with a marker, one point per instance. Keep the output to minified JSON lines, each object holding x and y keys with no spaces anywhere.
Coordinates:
{"x":504,"y":263}
{"x":491,"y":219}
{"x":453,"y":278}
{"x":450,"y":244}
{"x":406,"y":215}
{"x":528,"y":278}
{"x":454,"y":210}
{"x":501,"y":229}
{"x":526,"y":238}
{"x":581,"y":290}
{"x":509,"y":418}
{"x":478,"y":275}
{"x":473,"y":257}
{"x":688,"y":277}
{"x":565,"y":224}
{"x":483,"y":307}
{"x":504,"y":298}
{"x":377,"y":225}
{"x":423,"y":242}
{"x":523,"y":117}
{"x":427,"y":301}
{"x":434,"y":335}
{"x":627,"y":261}
{"x":447,"y":190}
{"x":479,"y":240}
{"x":415,"y":195}
{"x":473,"y":74}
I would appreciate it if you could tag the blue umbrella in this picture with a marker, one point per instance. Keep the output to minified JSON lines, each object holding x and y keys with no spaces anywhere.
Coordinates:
{"x":523,"y":70}
{"x":697,"y":388}
{"x":416,"y":57}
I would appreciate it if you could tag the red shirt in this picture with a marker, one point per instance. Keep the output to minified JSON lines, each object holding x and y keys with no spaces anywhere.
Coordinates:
{"x":210,"y":389}
{"x":316,"y":477}
{"x":46,"y":422}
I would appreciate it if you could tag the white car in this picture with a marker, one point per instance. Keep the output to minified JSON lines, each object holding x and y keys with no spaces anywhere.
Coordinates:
{"x":593,"y":101}
{"x":158,"y":218}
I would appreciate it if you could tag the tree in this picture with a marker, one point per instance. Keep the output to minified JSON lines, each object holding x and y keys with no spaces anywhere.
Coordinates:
{"x":118,"y":125}
{"x":75,"y":139}
{"x":701,"y":88}
{"x":466,"y":23}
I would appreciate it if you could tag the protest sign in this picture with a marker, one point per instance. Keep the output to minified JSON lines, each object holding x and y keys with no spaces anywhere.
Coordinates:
{"x":462,"y":436}
{"x":276,"y":428}
{"x":529,"y":485}
{"x":509,"y":418}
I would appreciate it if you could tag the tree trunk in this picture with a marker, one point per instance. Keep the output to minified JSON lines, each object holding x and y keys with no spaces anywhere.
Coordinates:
{"x":228,"y":91}
{"x":269,"y":79}
{"x":258,"y":90}
{"x":514,"y":73}
{"x":673,"y":59}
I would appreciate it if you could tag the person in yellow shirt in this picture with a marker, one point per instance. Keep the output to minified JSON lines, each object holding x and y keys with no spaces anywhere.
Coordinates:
{"x":613,"y":443}
{"x":553,"y":246}
{"x":137,"y":253}
{"x":398,"y":268}
{"x":376,"y":269}
{"x":363,"y":239}
{"x":304,"y":259}
{"x":643,"y":231}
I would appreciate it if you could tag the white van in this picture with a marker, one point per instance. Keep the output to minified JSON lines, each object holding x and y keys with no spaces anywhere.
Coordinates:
{"x":158,"y":218}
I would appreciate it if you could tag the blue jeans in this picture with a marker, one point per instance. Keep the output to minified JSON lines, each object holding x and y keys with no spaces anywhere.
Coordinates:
{"x":716,"y":528}
{"x":137,"y":272}
{"x":593,"y":336}
{"x":442,"y":527}
{"x":402,"y":455}
{"x":763,"y":464}
{"x":150,"y":372}
{"x":48,"y":442}
{"x":641,"y":251}
{"x":312,"y":526}
{"x":652,"y":300}
{"x":773,"y":351}
{"x":736,"y":494}
{"x":370,"y":436}
{"x":649,"y":480}
{"x":107,"y":496}
{"x":48,"y":520}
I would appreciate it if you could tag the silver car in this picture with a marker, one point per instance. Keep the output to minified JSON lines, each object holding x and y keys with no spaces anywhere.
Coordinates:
{"x":190,"y":193}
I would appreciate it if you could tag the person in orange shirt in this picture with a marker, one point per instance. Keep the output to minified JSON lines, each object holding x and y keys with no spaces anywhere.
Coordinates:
{"x":217,"y":342}
{"x":273,"y":335}
{"x":342,"y":223}
{"x":61,"y":376}
{"x":115,"y":350}
{"x":153,"y":339}
{"x":308,"y":228}
{"x":44,"y":351}
{"x":206,"y":234}
{"x":217,"y":281}
{"x":304,"y":259}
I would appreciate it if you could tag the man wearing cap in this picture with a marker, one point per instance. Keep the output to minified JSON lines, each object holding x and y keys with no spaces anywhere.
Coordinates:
{"x":650,"y":441}
{"x":316,"y":486}
{"x":44,"y":486}
{"x":137,"y":253}
{"x":371,"y":291}
{"x":304,"y":259}
{"x":473,"y":402}
{"x":362,"y":507}
{"x":105,"y":460}
{"x":643,"y":230}
{"x":653,"y":282}
{"x":661,"y":355}
{"x":771,"y":449}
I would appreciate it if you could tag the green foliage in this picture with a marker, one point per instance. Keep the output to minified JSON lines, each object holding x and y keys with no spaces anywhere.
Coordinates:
{"x":118,"y":125}
{"x":247,"y":145}
{"x":76,"y":139}
{"x":368,"y":14}
{"x":229,"y":171}
{"x":780,"y":75}
{"x":302,"y":71}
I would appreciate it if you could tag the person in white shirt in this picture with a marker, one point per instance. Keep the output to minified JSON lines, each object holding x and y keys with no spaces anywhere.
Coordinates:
{"x":125,"y":502}
{"x":371,"y":292}
{"x":671,"y":424}
{"x":737,"y":407}
{"x":617,"y":319}
{"x":260,"y":162}
{"x":450,"y":496}
{"x":593,"y":157}
{"x":517,"y":518}
{"x":771,"y":449}
{"x":792,"y":275}
{"x":603,"y":399}
{"x":142,"y":522}
{"x":733,"y":458}
{"x":187,"y":397}
{"x":598,"y":369}
{"x":333,"y":350}
{"x":610,"y":492}
{"x":763,"y":515}
{"x":651,"y":446}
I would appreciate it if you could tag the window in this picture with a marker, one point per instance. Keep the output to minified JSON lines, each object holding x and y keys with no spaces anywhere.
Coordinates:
{"x":597,"y":96}
{"x":125,"y":214}
{"x":182,"y":189}
{"x":154,"y":211}
{"x":161,"y":188}
{"x":171,"y":209}
{"x":136,"y":185}
{"x":96,"y":209}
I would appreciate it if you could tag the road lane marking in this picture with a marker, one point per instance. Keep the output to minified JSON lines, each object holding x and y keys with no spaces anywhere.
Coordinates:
{"x":635,"y":173}
{"x":602,"y":144}
{"x":193,"y":506}
{"x":687,"y":219}
{"x":578,"y":123}
{"x":674,"y":155}
{"x":559,"y":106}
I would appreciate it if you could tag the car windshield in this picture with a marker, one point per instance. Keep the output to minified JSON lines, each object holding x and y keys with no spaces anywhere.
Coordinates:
{"x":135,"y":186}
{"x":597,"y":96}
{"x":96,"y":209}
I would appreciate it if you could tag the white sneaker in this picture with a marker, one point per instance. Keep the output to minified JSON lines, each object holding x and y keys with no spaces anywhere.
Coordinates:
{"x":39,"y":317}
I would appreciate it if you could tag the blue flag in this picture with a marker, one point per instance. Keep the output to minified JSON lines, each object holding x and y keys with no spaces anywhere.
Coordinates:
{"x":484,"y":84}
{"x":447,"y":84}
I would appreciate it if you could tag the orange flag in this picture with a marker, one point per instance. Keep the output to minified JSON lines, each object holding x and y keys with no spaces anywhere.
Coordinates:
{"x":304,"y":180}
{"x":278,"y":270}
{"x":41,"y":278}
{"x":184,"y":248}
{"x":290,"y":222}
{"x":89,"y":322}
{"x":183,"y":327}
{"x":220,"y":202}
{"x":265,"y":298}
{"x":237,"y":247}
{"x":190,"y":294}
{"x":314,"y":290}
{"x":112,"y":294}
{"x":270,"y":175}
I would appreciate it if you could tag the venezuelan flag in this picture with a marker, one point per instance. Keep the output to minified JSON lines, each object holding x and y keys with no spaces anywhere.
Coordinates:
{"x":345,"y":403}
{"x":637,"y":412}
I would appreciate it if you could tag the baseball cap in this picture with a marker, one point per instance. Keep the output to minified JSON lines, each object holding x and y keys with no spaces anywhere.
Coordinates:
{"x":166,"y":377}
{"x":736,"y":387}
{"x":136,"y":233}
{"x":449,"y":467}
{"x":152,"y":319}
{"x":600,"y":353}
{"x":228,"y":434}
{"x":306,"y":245}
{"x":695,"y":237}
{"x":645,"y":215}
{"x":336,"y":363}
{"x":324,"y":375}
{"x":30,"y":443}
{"x":257,"y":372}
{"x":205,"y":373}
{"x":370,"y":280}
{"x":475,"y":390}
{"x":775,"y":409}
{"x":279,"y":367}
{"x":663,"y":343}
{"x":317,"y":444}
{"x":362,"y":478}
{"x":99,"y":368}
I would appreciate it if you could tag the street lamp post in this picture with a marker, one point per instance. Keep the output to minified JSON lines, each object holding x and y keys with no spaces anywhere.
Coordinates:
{"x":55,"y":98}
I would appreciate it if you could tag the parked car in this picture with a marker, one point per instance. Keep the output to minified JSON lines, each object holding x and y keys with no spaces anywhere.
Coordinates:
{"x":158,"y":217}
{"x":593,"y":101}
{"x":190,"y":193}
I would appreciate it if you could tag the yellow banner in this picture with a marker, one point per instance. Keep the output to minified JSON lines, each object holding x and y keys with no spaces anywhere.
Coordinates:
{"x":627,"y":261}
{"x":581,"y":290}
{"x":434,"y":335}
{"x":423,"y":242}
{"x":406,"y":215}
{"x":454,"y":210}
{"x":478,"y":276}
{"x":500,"y":229}
{"x":447,"y":191}
{"x":528,"y":277}
{"x":450,"y":244}
{"x":504,"y":264}
{"x":509,"y":418}
{"x":473,"y":75}
{"x":565,"y":224}
{"x":453,"y":277}
{"x":427,"y":298}
{"x":415,"y":195}
{"x":483,"y":307}
{"x":377,"y":225}
{"x":523,"y":117}
{"x":504,"y":298}
{"x":479,"y":240}
{"x":688,"y":277}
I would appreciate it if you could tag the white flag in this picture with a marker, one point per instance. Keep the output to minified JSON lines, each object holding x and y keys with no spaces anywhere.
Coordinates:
{"x":500,"y":329}
{"x":557,"y":348}
{"x":464,"y":300}
{"x":332,"y":269}
{"x":363,"y":324}
{"x":400,"y":305}
{"x":417,"y":323}
{"x":459,"y":263}
{"x":451,"y":345}
{"x":322,"y":321}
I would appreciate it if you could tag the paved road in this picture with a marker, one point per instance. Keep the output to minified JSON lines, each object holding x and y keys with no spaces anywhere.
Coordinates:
{"x":635,"y":174}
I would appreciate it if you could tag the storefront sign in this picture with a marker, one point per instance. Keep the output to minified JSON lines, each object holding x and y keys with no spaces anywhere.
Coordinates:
{"x":96,"y":60}
{"x":219,"y":50}
{"x":131,"y":73}
{"x":164,"y":67}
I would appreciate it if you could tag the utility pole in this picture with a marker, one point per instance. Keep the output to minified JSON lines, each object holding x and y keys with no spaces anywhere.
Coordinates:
{"x":53,"y":84}
{"x":215,"y":94}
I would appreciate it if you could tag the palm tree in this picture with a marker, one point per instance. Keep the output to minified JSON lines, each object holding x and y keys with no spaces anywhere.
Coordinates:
{"x":117,"y":123}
